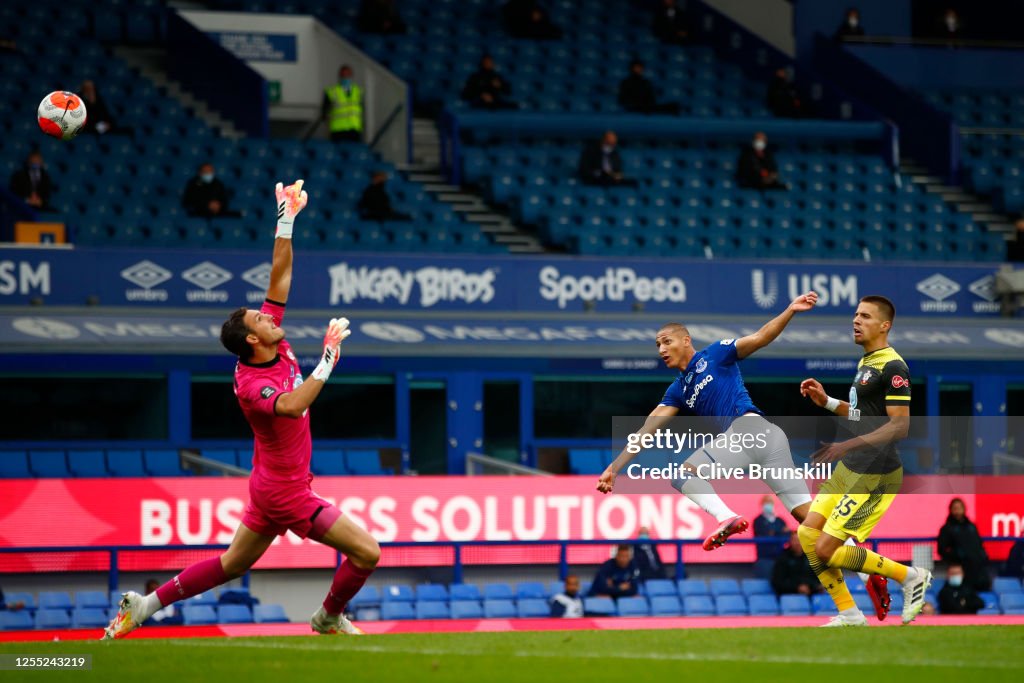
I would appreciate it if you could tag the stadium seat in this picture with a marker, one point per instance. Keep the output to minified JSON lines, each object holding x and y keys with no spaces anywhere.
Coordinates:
{"x":328,"y":462}
{"x":731,"y":605}
{"x":368,"y":614}
{"x":795,"y":606}
{"x":14,"y":465}
{"x":688,"y":587}
{"x":555,"y":587}
{"x":864,"y":603}
{"x":1012,"y":603}
{"x":193,"y":615}
{"x":666,"y":606}
{"x":55,"y":600}
{"x":91,"y":599}
{"x":822,"y":603}
{"x":633,"y":607}
{"x":466,"y":609}
{"x":1003,"y":585}
{"x":527,"y":608}
{"x":125,"y":463}
{"x":397,"y":592}
{"x":368,"y":596}
{"x":26,"y":599}
{"x":234,"y":614}
{"x":855,"y":584}
{"x":586,"y":461}
{"x":991,"y":601}
{"x":52,"y":618}
{"x":464,"y":591}
{"x":207,"y":598}
{"x":48,"y":464}
{"x":364,"y":462}
{"x":659,"y":587}
{"x":599,"y":606}
{"x":724,"y":587}
{"x":498,"y":591}
{"x":16,"y":621}
{"x":430,"y":609}
{"x":500,"y":609}
{"x":698,"y":606}
{"x":756,"y":587}
{"x":530,"y":589}
{"x":87,"y":464}
{"x":89,"y":617}
{"x":431,"y":592}
{"x":163,"y":463}
{"x":390,"y":611}
{"x":269,"y":614}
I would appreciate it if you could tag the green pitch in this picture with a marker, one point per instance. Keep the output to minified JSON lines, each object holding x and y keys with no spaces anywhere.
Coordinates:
{"x":925,"y":653}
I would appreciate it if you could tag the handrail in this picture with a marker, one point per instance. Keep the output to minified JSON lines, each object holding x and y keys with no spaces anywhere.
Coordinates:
{"x":510,"y":467}
{"x":392,"y":117}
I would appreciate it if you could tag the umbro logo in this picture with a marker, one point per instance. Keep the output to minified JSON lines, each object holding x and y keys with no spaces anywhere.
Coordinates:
{"x":206,"y":275}
{"x":984,"y":288}
{"x":258,"y":277}
{"x":938,"y":287}
{"x":146,"y":274}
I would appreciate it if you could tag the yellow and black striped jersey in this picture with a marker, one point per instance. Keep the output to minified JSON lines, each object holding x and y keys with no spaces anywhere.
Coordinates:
{"x":882,"y":379}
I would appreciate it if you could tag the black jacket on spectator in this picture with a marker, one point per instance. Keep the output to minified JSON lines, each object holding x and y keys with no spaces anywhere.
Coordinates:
{"x":528,"y":19}
{"x":669,"y":22}
{"x":791,"y":571}
{"x":375,"y":205}
{"x":846,"y":31}
{"x":489,"y":82}
{"x":198,"y":196}
{"x":1015,"y":561}
{"x":610,"y":576}
{"x":752,"y":167}
{"x":380,"y":16}
{"x":591,"y":169}
{"x":648,"y":562}
{"x":765,"y":529}
{"x":636,"y":93}
{"x":783,"y":100}
{"x":962,"y":599}
{"x":960,"y":543}
{"x":22,"y":184}
{"x":97,"y":112}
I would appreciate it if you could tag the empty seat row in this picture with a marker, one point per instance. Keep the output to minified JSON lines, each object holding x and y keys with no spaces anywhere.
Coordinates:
{"x":90,"y":463}
{"x":99,"y":617}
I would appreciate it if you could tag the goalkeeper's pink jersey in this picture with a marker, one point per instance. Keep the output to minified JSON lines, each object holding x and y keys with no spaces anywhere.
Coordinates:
{"x":282,"y":444}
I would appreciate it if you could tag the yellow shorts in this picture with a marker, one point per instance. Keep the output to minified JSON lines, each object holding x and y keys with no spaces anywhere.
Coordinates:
{"x":852,"y":503}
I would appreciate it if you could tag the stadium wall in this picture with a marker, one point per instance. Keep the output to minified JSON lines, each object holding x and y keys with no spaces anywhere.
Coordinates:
{"x":772,"y":20}
{"x":942,"y":68}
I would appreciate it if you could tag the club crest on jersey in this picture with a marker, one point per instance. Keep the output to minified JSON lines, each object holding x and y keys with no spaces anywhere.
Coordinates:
{"x":702,"y":365}
{"x":865,"y":377}
{"x":898,"y":382}
{"x":291,"y":356}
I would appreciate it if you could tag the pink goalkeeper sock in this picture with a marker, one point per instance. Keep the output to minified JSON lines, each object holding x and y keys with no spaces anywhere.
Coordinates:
{"x":200,"y":577}
{"x":347,"y":582}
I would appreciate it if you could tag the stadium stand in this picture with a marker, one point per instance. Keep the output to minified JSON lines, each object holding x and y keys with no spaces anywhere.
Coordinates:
{"x":795,"y":605}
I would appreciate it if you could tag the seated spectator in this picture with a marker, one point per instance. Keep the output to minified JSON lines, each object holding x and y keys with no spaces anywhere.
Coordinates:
{"x":958,"y":597}
{"x":98,"y":120}
{"x":12,"y":606}
{"x":568,"y":604}
{"x":601,"y":164}
{"x":165,"y":616}
{"x":375,"y":204}
{"x":1014,"y":565}
{"x":486,"y":89}
{"x":380,"y":16}
{"x":851,"y":26}
{"x":1015,"y":247}
{"x":949,"y":27}
{"x":31,"y":183}
{"x":960,"y":543}
{"x":756,"y":168}
{"x":528,"y":19}
{"x":205,"y":195}
{"x":618,"y":577}
{"x":792,"y":572}
{"x":646,"y":557}
{"x":636,"y":93}
{"x":671,"y":25}
{"x":782,"y":98}
{"x":768,"y":525}
{"x":8,"y":46}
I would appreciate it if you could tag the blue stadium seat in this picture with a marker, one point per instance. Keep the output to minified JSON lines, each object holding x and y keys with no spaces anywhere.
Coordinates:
{"x":91,"y":599}
{"x":52,"y":618}
{"x":698,"y":606}
{"x":397,"y":611}
{"x":730,"y":605}
{"x":500,"y":609}
{"x":125,"y":463}
{"x":464,"y":591}
{"x":756,"y":587}
{"x":724,"y":587}
{"x":822,"y":603}
{"x":430,"y":609}
{"x":1012,"y":603}
{"x":587,"y":461}
{"x":16,"y":621}
{"x":795,"y":605}
{"x":48,"y":464}
{"x":368,"y":596}
{"x":533,"y":608}
{"x":431,"y":592}
{"x":163,"y":463}
{"x":864,"y":603}
{"x":556,"y":587}
{"x":530,"y":589}
{"x":115,"y":597}
{"x":55,"y":600}
{"x":466,"y":609}
{"x":599,"y":606}
{"x":328,"y":462}
{"x":1003,"y":585}
{"x":689,"y":587}
{"x":633,"y":607}
{"x":195,"y":615}
{"x":660,"y":587}
{"x":87,"y":464}
{"x":855,"y":584}
{"x":498,"y":591}
{"x":666,"y":606}
{"x":991,"y":601}
{"x":397,"y":592}
{"x":14,"y":465}
{"x":26,"y":599}
{"x":269,"y":614}
{"x":89,"y":617}
{"x":234,"y":614}
{"x":364,"y":462}
{"x":203,"y":599}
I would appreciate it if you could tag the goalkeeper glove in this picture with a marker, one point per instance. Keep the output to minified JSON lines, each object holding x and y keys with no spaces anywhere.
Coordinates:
{"x":337,"y":331}
{"x":290,"y":201}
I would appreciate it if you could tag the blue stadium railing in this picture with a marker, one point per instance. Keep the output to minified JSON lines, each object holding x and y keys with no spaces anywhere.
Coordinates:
{"x":458,"y":546}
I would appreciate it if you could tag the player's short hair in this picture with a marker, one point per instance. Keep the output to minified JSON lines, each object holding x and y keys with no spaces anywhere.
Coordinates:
{"x":675,"y":328}
{"x":233,"y":334}
{"x":884,"y":305}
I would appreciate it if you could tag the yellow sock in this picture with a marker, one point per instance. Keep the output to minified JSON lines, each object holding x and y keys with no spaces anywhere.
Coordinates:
{"x":831,"y":578}
{"x":863,"y":560}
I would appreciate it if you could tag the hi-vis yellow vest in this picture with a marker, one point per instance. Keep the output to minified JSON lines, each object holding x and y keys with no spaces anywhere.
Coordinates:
{"x":347,"y":110}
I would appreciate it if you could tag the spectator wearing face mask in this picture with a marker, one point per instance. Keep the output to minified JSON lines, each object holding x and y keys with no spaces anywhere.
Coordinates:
{"x":950,"y":28}
{"x":792,"y":573}
{"x":636,"y":93}
{"x":782,"y":98}
{"x":31,"y":183}
{"x":960,"y":543}
{"x":618,"y":577}
{"x":957,"y":597}
{"x":756,"y":168}
{"x":342,"y":107}
{"x":568,"y":604}
{"x":205,"y":195}
{"x":601,"y":163}
{"x":768,"y":525}
{"x":851,"y":26}
{"x":646,"y":557}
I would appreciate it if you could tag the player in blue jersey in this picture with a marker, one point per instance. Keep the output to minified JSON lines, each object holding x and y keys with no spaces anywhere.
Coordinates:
{"x":710,"y":385}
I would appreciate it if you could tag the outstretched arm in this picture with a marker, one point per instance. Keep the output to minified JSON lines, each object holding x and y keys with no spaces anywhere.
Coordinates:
{"x":290,"y":201}
{"x":657,"y":419}
{"x":295,"y":403}
{"x":773,"y":328}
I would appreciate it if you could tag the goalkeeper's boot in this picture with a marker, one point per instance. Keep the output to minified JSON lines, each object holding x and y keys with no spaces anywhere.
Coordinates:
{"x":330,"y":624}
{"x":878,"y":591}
{"x":729,"y":527}
{"x":842,"y":620}
{"x":128,"y":618}
{"x":915,"y":591}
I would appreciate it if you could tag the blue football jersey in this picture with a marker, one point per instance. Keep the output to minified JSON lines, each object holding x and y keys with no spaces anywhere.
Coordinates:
{"x":711,"y":386}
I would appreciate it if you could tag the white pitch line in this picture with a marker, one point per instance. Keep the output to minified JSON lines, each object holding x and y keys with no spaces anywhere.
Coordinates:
{"x":637,"y":656}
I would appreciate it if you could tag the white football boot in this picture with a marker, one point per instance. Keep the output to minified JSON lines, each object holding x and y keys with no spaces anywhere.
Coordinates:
{"x":914,"y":593}
{"x":327,"y":624}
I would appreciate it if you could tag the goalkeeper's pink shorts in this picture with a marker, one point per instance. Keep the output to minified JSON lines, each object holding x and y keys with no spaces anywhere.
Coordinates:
{"x":275,"y":509}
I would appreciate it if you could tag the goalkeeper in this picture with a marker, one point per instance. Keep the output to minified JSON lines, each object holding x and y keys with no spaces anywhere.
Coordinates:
{"x":275,"y":401}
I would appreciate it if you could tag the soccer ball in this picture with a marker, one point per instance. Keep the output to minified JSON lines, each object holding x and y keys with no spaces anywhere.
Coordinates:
{"x":62,"y":114}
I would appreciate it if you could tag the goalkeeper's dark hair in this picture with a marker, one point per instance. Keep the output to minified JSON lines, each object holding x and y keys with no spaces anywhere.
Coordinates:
{"x":885,"y":307}
{"x":233,"y":334}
